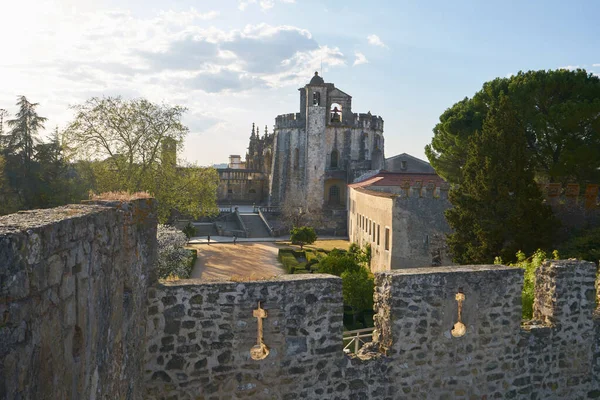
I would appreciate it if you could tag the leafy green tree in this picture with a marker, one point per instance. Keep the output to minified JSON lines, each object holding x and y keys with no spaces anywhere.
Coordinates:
{"x":558,"y":111}
{"x":337,"y":262}
{"x":497,"y":209}
{"x":131,"y":146}
{"x":303,"y":235}
{"x":357,"y":289}
{"x":357,"y":281}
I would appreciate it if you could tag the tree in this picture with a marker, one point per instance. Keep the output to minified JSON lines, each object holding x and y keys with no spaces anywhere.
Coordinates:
{"x":357,"y":281}
{"x":303,"y":235}
{"x":497,"y":208}
{"x":559,"y":112}
{"x":357,"y":289}
{"x":18,"y":146}
{"x":22,"y":137}
{"x":131,"y":146}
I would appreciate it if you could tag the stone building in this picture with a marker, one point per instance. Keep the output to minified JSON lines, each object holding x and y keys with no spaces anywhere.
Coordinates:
{"x":401,"y":215}
{"x":323,"y":147}
{"x":248,"y":181}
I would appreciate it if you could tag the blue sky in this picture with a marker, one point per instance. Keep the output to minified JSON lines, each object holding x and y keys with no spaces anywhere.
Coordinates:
{"x":235,"y":62}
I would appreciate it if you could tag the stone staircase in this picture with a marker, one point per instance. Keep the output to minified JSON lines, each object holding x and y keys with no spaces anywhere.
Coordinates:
{"x":255,"y":225}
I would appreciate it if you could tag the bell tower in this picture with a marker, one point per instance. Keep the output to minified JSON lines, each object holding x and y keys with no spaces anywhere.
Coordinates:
{"x":316,"y":121}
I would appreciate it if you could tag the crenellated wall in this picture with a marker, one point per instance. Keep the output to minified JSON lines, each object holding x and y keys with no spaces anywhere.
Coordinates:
{"x":73,"y":284}
{"x":200,"y":335}
{"x":575,"y":208}
{"x":83,"y":318}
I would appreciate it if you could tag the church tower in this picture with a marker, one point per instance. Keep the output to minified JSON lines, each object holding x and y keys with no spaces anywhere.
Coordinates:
{"x":321,"y":149}
{"x":316,"y":120}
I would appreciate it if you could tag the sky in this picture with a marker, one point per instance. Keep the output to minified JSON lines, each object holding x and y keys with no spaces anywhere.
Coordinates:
{"x":237,"y":62}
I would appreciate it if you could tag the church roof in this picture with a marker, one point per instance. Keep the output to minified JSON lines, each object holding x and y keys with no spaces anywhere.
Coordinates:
{"x":316,"y":80}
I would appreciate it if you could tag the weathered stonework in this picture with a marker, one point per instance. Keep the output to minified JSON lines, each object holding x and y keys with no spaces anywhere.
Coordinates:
{"x":317,"y":151}
{"x":200,"y":334}
{"x":79,"y":321}
{"x":412,"y":219}
{"x":73,"y":284}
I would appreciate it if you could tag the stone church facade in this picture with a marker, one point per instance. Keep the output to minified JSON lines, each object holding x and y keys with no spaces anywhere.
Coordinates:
{"x":317,"y":151}
{"x":248,"y":182}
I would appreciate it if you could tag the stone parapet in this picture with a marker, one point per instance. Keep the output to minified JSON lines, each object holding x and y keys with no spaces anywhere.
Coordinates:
{"x":73,"y":284}
{"x":200,"y":335}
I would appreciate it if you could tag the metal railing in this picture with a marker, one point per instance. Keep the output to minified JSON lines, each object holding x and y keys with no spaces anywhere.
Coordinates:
{"x":356,"y":339}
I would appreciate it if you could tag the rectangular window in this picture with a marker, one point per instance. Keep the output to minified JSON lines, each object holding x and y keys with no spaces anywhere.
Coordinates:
{"x":377,"y":234}
{"x":369,"y":222}
{"x":373,"y":232}
{"x":387,"y":238}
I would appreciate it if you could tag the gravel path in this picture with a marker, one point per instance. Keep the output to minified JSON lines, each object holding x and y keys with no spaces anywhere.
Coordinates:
{"x":243,"y":260}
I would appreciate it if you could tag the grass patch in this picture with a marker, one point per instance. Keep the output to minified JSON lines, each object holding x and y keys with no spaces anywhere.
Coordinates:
{"x":319,"y":245}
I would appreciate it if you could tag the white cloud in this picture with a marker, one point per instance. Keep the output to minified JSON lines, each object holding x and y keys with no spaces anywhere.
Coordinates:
{"x":360,"y":59}
{"x":375,"y":41}
{"x":571,"y":67}
{"x":595,"y":65}
{"x":176,"y":57}
{"x":264,"y":4}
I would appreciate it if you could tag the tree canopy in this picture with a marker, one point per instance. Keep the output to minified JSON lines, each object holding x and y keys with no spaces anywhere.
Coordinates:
{"x":303,"y":235}
{"x":33,"y":173}
{"x":131,"y":145}
{"x":558,"y":111}
{"x":497,"y":208}
{"x":358,"y":282}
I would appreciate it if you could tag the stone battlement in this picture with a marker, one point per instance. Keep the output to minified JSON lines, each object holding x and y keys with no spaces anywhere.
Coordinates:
{"x":82,"y":317}
{"x":292,"y":120}
{"x":367,"y":121}
{"x":571,"y":195}
{"x":414,"y":190}
{"x":200,"y":335}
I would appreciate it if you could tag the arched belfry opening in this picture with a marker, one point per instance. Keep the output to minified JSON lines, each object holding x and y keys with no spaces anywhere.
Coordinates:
{"x":316,"y":99}
{"x":336,"y":112}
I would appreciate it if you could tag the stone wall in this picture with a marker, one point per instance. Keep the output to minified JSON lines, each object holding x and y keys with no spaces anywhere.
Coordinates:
{"x":200,"y":335}
{"x":420,"y":228}
{"x":73,"y":284}
{"x":414,"y":219}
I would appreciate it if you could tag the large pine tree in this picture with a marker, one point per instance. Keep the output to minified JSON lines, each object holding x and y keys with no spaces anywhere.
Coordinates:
{"x":18,"y":146}
{"x":498,"y":208}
